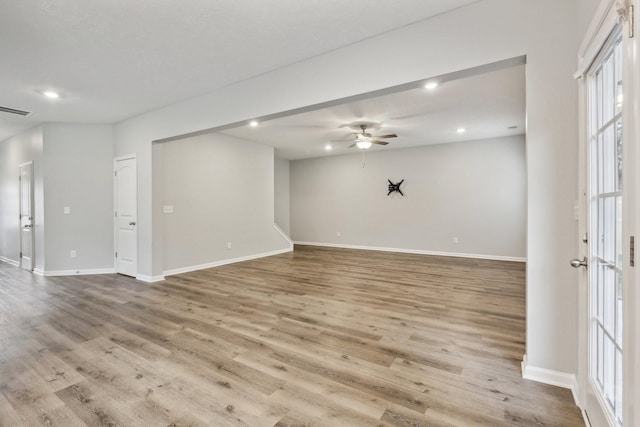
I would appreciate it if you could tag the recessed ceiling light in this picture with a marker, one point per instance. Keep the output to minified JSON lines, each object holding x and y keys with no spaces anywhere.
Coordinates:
{"x":461,"y":130}
{"x":253,"y":123}
{"x":328,"y":147}
{"x":431,"y":85}
{"x":51,"y":94}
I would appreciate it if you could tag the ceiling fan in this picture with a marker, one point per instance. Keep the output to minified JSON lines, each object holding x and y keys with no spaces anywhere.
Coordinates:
{"x":364,"y":139}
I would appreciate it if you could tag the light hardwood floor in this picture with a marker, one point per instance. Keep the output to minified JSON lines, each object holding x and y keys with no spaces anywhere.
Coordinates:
{"x":318,"y":337}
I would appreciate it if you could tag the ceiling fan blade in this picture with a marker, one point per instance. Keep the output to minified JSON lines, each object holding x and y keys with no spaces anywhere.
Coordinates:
{"x":380,"y":142}
{"x":391,"y":135}
{"x":352,"y":145}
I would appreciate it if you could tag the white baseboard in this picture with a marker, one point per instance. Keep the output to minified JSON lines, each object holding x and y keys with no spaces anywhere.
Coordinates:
{"x":415,"y":251}
{"x":149,"y":279}
{"x":10,"y":261}
{"x":284,"y":235}
{"x":548,"y":376}
{"x":51,"y":273}
{"x":224,"y":262}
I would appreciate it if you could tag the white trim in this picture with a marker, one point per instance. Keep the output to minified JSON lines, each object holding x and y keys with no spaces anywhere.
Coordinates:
{"x":604,"y":21}
{"x":547,"y":376}
{"x":224,"y":262}
{"x":284,"y":235}
{"x":608,"y":416}
{"x":10,"y":261}
{"x":415,"y":251}
{"x":125,"y":157}
{"x":38,"y":271}
{"x":583,"y":249}
{"x":82,"y":272}
{"x":149,"y":279}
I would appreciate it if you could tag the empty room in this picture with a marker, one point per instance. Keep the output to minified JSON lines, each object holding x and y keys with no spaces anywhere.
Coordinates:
{"x":362,"y":213}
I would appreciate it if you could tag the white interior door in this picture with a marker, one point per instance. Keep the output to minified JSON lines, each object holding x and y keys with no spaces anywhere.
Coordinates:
{"x":126,"y":216}
{"x":26,"y":216}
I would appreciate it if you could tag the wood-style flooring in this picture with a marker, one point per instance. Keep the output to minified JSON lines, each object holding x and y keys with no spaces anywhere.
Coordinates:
{"x":317,"y":337}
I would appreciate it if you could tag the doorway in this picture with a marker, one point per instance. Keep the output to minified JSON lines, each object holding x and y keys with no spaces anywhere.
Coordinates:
{"x":605,"y":199}
{"x":607,"y":288}
{"x":27,"y":243}
{"x":126,"y":214}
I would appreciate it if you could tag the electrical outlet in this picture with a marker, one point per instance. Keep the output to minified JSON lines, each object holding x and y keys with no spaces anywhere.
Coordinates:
{"x":67,"y":210}
{"x":74,"y":254}
{"x":456,"y":240}
{"x":228,"y":245}
{"x":338,"y":234}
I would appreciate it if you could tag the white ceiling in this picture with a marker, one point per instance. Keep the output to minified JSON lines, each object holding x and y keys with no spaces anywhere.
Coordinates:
{"x":114,"y":59}
{"x":486,"y":105}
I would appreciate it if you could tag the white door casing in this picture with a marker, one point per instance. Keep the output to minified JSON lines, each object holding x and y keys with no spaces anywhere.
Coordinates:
{"x":126,"y":216}
{"x":26,"y":216}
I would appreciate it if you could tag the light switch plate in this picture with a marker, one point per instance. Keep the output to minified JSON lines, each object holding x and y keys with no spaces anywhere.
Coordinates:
{"x":168,"y":209}
{"x":67,"y":210}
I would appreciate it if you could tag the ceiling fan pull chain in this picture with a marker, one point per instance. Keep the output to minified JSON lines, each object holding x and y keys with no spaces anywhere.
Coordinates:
{"x":362,"y":159}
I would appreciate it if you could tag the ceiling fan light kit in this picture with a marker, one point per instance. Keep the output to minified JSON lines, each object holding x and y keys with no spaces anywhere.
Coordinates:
{"x":364,"y":144}
{"x":365,"y":140}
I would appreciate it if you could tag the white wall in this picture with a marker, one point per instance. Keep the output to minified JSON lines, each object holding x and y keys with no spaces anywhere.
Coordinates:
{"x":78,"y":173}
{"x":487,"y":31}
{"x":475,"y":191}
{"x":222,"y":190}
{"x":281,"y":195}
{"x":72,"y":167}
{"x":21,"y":148}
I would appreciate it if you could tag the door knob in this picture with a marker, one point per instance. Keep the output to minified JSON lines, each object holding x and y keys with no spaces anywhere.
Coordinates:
{"x":27,"y":226}
{"x":577,"y":263}
{"x":132,"y":223}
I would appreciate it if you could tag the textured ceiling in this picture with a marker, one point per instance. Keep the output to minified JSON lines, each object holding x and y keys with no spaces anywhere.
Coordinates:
{"x":114,"y":59}
{"x":486,"y":105}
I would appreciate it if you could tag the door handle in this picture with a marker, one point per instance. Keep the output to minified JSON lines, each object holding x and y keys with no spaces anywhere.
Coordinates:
{"x":132,"y":223}
{"x":577,"y":263}
{"x":27,"y":226}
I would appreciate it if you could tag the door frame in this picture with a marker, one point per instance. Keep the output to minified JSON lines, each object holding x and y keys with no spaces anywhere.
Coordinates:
{"x":32,"y":213}
{"x":604,"y":22}
{"x":115,"y":205}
